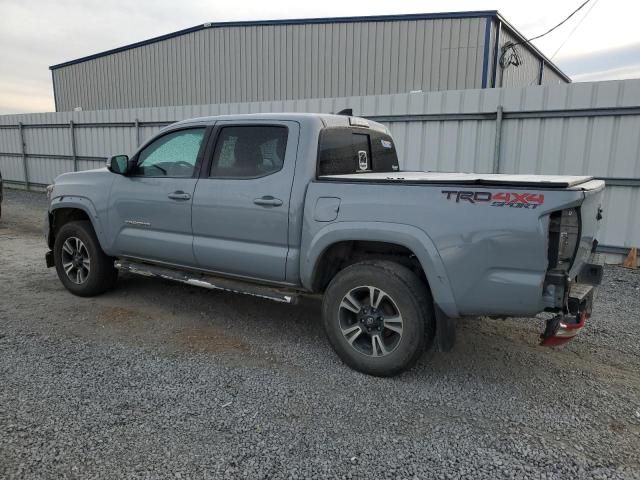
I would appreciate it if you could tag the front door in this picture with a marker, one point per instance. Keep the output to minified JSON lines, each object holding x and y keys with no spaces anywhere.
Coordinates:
{"x":241,"y":204}
{"x":150,"y":208}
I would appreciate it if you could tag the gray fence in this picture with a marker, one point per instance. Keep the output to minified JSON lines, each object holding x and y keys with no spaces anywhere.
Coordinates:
{"x":583,"y":128}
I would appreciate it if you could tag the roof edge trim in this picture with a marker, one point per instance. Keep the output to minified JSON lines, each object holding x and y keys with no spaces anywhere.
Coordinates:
{"x":548,"y":63}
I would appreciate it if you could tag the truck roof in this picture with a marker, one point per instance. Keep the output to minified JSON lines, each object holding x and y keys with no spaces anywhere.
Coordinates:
{"x":324,"y":119}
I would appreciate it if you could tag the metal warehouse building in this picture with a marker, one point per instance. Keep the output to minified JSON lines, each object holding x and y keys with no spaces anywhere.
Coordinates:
{"x":309,"y":58}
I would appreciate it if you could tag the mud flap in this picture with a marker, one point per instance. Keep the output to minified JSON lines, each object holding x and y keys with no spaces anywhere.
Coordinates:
{"x":48,"y":258}
{"x":445,"y":331}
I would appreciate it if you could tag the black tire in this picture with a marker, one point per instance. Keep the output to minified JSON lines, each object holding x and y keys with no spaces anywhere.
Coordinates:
{"x":100,"y":276}
{"x":393,"y":352}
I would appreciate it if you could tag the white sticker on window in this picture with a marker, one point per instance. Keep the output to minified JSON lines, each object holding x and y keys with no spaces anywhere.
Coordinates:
{"x":363,"y":161}
{"x":386,"y":143}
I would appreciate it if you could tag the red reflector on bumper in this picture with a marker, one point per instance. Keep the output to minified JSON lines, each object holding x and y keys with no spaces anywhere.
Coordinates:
{"x":561,"y":330}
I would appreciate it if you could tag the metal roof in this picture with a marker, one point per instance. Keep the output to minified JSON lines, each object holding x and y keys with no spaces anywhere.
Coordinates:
{"x":306,"y":21}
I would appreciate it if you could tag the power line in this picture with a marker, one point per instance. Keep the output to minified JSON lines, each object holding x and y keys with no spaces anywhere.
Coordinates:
{"x":553,"y":28}
{"x":514,"y":56}
{"x":575,"y":28}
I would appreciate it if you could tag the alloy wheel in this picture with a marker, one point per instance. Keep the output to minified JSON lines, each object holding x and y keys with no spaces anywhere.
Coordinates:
{"x":75,"y":260}
{"x":370,"y":321}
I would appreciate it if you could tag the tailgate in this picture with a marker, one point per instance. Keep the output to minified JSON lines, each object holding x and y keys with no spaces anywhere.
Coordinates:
{"x":590,"y":217}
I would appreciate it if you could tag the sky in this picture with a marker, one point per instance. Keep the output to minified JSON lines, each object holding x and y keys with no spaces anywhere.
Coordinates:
{"x":601,"y":42}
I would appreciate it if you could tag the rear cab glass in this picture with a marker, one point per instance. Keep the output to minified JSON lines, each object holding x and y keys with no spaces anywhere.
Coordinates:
{"x":347,"y":150}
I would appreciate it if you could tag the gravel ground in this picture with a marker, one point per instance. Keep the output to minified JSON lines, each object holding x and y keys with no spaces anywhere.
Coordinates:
{"x":160,"y":380}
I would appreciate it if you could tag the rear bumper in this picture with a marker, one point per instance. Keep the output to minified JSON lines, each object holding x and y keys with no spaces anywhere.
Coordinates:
{"x":562,"y":328}
{"x":578,"y":307}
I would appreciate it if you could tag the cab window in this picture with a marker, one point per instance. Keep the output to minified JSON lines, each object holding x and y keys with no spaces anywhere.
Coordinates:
{"x":350,"y":150}
{"x":249,"y":151}
{"x":172,"y":155}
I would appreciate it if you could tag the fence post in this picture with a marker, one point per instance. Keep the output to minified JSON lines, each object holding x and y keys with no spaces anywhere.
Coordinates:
{"x":23,"y":151}
{"x":137,"y":133}
{"x":72,"y":139}
{"x":498,"y":140}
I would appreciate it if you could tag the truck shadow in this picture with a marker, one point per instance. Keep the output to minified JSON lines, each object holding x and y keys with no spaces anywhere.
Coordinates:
{"x":195,"y":319}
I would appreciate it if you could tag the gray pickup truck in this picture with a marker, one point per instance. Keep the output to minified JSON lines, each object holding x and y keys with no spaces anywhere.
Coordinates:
{"x":283,"y":205}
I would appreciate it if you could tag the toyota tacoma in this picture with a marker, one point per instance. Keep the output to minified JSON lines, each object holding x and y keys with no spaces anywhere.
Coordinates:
{"x":283,"y":205}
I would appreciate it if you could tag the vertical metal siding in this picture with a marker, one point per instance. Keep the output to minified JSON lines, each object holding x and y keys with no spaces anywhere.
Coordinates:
{"x":550,"y":77}
{"x":11,"y":167}
{"x":603,"y":146}
{"x":518,"y":76}
{"x":10,"y":139}
{"x":275,"y":62}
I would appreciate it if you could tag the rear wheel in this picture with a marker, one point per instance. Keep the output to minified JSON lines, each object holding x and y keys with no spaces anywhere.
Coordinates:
{"x":378,"y":316}
{"x":82,"y":267}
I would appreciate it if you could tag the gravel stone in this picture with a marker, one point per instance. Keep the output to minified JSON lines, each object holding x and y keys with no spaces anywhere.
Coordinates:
{"x":162,"y":380}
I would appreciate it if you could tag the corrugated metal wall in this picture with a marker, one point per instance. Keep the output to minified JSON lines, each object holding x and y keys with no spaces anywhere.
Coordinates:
{"x":550,"y":77}
{"x":583,"y":128}
{"x":523,"y":75}
{"x":273,"y":62}
{"x":528,"y":73}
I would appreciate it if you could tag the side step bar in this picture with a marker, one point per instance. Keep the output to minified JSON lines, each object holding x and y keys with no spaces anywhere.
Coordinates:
{"x":208,"y":281}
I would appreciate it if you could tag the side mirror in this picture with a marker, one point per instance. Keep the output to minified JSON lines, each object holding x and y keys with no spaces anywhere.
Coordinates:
{"x":118,"y":164}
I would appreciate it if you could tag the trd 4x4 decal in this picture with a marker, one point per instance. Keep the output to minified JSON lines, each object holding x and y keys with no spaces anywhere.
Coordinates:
{"x":498,"y":199}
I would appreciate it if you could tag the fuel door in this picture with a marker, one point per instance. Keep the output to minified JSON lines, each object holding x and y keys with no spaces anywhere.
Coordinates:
{"x":327,"y":209}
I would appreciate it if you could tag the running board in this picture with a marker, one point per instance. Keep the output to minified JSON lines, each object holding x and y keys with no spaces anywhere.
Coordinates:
{"x":209,"y":281}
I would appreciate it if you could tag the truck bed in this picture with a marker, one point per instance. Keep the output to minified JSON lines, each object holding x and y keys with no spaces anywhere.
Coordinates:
{"x":484,"y":179}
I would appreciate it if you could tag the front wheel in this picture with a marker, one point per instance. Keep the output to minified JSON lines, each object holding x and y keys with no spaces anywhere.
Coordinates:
{"x":378,"y":316}
{"x":82,"y":267}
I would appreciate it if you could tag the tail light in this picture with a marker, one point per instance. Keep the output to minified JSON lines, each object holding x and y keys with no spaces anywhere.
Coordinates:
{"x":564,"y":233}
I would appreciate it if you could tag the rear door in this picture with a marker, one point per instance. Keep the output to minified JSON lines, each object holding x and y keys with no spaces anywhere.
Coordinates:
{"x":150,"y":208}
{"x":241,"y":202}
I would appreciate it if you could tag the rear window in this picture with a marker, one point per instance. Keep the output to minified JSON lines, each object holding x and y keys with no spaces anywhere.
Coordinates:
{"x":350,"y":150}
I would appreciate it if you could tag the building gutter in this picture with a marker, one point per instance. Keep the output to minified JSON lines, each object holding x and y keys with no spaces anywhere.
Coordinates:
{"x":55,"y":91}
{"x":496,"y":53}
{"x":485,"y":58}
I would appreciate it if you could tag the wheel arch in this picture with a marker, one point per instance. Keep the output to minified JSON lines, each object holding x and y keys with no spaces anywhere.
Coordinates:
{"x":69,"y":209}
{"x":401,"y":238}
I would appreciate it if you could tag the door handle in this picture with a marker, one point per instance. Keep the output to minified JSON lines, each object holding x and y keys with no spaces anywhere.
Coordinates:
{"x":179,"y":195}
{"x":268,"y":201}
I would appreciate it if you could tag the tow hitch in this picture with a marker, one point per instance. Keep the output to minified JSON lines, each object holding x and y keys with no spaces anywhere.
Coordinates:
{"x":563,"y":327}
